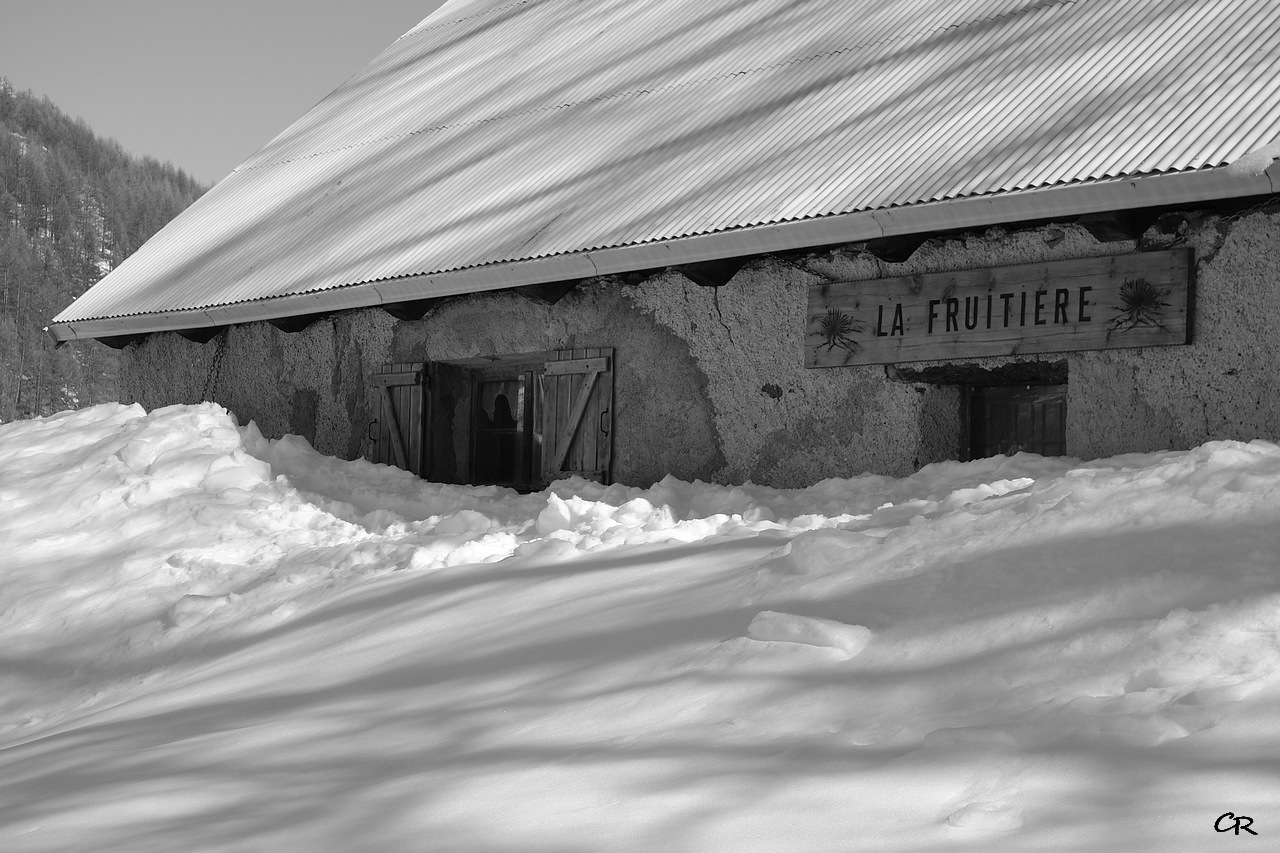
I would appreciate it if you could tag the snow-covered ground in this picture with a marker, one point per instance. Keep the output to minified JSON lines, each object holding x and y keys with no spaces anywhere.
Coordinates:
{"x":211,"y":641}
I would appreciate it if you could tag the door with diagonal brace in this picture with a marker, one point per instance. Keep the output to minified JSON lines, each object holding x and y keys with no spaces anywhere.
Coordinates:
{"x":577,"y":415}
{"x":398,"y":436}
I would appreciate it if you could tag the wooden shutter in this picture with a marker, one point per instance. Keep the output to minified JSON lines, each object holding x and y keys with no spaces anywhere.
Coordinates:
{"x":399,"y":438}
{"x":577,"y":415}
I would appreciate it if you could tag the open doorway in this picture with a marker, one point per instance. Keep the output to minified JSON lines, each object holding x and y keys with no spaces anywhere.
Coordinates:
{"x":519,"y":420}
{"x":506,"y":438}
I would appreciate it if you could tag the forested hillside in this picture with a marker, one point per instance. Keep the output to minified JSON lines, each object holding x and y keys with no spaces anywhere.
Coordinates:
{"x":72,"y":207}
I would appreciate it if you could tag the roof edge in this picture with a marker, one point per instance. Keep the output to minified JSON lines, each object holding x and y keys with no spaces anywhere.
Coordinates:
{"x":1201,"y":185}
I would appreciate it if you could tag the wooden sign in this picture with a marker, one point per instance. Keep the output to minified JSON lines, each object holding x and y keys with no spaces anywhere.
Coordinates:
{"x":1134,"y":300}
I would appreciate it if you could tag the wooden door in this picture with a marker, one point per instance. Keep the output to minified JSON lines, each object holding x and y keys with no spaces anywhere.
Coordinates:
{"x":398,"y":436}
{"x":577,"y":415}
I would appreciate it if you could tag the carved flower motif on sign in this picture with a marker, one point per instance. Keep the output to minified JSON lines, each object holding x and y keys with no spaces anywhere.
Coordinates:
{"x":836,"y":328}
{"x":1141,"y":304}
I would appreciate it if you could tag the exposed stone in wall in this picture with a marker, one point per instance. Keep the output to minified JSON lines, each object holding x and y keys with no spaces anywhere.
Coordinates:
{"x":993,"y":247}
{"x":1224,"y":385}
{"x":309,"y":383}
{"x":302,"y":414}
{"x":749,"y":335}
{"x":710,"y":382}
{"x":662,"y":420}
{"x":361,"y":341}
{"x":165,"y":369}
{"x":778,"y":422}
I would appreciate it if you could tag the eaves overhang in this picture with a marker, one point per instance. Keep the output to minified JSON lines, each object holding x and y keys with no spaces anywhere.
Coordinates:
{"x":1257,"y":178}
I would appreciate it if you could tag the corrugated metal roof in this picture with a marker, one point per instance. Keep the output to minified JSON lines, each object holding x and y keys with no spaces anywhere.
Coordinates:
{"x":499,"y":133}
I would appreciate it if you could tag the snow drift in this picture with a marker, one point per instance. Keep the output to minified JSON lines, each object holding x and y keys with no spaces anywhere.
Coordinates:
{"x":212,"y":641}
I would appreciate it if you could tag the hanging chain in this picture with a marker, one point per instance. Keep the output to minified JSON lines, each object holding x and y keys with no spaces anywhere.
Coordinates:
{"x":215,"y":369}
{"x":1269,"y":201}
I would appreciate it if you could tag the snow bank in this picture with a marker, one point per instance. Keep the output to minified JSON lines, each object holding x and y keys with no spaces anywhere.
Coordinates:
{"x":213,"y":641}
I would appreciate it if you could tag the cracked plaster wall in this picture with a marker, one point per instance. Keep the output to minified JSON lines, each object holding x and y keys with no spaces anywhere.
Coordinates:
{"x":662,"y":422}
{"x":312,"y":383}
{"x":778,"y":422}
{"x":1224,"y":385}
{"x":710,"y":383}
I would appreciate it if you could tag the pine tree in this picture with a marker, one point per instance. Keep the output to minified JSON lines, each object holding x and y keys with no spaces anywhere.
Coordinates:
{"x":72,"y":206}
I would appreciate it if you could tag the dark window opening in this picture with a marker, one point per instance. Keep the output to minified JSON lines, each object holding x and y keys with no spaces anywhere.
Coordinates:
{"x":1009,"y":419}
{"x":1020,"y":406}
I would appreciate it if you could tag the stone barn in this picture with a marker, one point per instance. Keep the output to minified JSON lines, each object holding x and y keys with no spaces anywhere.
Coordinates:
{"x":774,"y":240}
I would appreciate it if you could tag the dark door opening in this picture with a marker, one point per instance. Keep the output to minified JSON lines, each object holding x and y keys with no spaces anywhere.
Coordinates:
{"x":519,"y":421}
{"x":1009,"y":419}
{"x":505,"y":442}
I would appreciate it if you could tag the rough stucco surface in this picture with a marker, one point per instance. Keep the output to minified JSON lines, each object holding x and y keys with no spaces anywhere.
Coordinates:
{"x":1226,"y":384}
{"x":780,"y":423}
{"x":164,"y":370}
{"x":662,"y":417}
{"x":312,"y":383}
{"x":710,"y":382}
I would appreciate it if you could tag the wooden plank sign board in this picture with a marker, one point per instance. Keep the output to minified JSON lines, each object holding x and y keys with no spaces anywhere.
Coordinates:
{"x":1133,"y":300}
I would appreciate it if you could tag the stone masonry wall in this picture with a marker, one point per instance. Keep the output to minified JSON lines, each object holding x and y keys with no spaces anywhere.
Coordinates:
{"x":710,"y":383}
{"x":1226,"y":384}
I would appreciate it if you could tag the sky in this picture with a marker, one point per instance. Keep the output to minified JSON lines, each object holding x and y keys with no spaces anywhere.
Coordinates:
{"x":202,"y":85}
